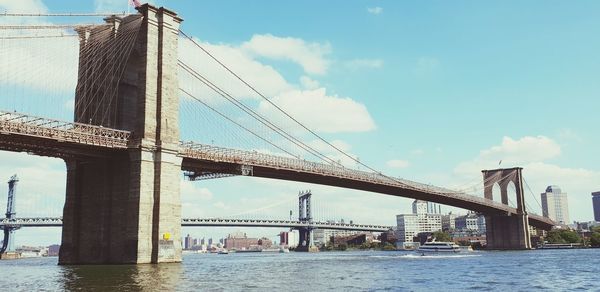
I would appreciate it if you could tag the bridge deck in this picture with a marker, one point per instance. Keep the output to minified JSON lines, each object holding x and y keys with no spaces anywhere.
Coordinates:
{"x":212,"y":222}
{"x":21,"y":132}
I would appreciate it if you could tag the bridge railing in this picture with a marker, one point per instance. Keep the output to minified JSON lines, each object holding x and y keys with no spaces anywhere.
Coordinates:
{"x":252,"y":158}
{"x":23,"y":124}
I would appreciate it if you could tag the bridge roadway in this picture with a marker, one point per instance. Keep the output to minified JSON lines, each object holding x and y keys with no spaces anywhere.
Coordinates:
{"x":41,"y":136}
{"x":212,"y":222}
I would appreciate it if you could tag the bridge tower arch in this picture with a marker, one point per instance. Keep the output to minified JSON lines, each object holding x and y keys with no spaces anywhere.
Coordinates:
{"x":305,"y":216}
{"x":506,"y":231}
{"x":125,"y":207}
{"x":7,"y":242}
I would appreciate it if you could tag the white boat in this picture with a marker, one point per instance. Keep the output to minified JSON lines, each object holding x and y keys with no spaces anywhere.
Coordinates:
{"x":223,"y":251}
{"x":438,"y":247}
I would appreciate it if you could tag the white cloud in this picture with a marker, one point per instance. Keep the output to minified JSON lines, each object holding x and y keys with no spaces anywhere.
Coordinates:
{"x":375,"y":10}
{"x":309,"y":83}
{"x":263,"y":77}
{"x":116,"y":5}
{"x":426,"y":66}
{"x":52,"y":61}
{"x":23,"y":6}
{"x":41,"y":187}
{"x":322,"y":112}
{"x":189,"y":189}
{"x":311,"y":56}
{"x":513,"y":153}
{"x":532,"y":153}
{"x":398,"y":163}
{"x":357,"y":64}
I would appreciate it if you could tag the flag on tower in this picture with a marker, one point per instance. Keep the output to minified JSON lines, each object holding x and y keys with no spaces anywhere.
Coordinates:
{"x":135,"y":3}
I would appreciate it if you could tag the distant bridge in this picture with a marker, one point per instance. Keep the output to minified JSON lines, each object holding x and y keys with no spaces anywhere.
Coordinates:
{"x":211,"y":222}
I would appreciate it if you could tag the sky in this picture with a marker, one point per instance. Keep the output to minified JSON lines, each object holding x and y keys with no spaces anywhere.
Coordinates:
{"x":430,"y":91}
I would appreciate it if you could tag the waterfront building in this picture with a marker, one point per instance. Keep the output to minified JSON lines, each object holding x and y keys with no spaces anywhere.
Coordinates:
{"x":555,"y":205}
{"x":596,"y":205}
{"x":355,"y":239}
{"x":448,"y":222}
{"x":239,"y":241}
{"x":389,"y":236}
{"x":471,"y":222}
{"x":53,"y":250}
{"x":409,"y":225}
{"x":289,"y":238}
{"x":323,"y":236}
{"x":265,"y":242}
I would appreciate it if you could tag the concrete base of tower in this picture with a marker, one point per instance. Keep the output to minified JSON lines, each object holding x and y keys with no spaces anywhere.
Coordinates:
{"x":508,"y":232}
{"x":115,"y":213}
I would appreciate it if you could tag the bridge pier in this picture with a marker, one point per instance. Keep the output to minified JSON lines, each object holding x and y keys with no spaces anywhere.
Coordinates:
{"x":126,"y":208}
{"x":506,"y":231}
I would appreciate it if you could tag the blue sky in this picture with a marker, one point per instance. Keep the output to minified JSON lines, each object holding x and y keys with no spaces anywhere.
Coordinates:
{"x":432,"y":91}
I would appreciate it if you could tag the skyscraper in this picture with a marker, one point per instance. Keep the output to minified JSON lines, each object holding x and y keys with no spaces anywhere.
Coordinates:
{"x":188,"y":242}
{"x":596,"y":204}
{"x":555,"y":205}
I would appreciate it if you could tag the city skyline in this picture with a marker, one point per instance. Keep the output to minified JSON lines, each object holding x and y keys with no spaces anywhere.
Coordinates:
{"x":460,"y":91}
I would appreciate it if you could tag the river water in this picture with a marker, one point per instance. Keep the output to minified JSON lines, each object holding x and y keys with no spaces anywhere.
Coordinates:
{"x":551,"y":270}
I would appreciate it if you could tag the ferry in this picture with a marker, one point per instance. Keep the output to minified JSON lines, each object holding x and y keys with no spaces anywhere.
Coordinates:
{"x":559,"y":246}
{"x":438,"y":247}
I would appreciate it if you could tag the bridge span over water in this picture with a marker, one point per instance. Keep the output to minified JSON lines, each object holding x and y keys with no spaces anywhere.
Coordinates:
{"x":61,"y":139}
{"x":124,"y":156}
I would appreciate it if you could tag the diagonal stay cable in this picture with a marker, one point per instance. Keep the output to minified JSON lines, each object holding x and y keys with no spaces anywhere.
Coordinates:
{"x":254,"y":114}
{"x":414,"y":185}
{"x":232,"y":121}
{"x":277,"y":107}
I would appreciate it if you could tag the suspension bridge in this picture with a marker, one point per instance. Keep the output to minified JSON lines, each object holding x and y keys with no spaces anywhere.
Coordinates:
{"x":137,"y":85}
{"x":305,"y":223}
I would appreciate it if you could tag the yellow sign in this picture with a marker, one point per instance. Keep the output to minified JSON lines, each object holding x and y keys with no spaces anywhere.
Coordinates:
{"x":167,"y":236}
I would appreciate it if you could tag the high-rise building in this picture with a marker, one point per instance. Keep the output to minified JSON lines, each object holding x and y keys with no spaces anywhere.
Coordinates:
{"x":421,"y":220}
{"x":555,"y":205}
{"x":434,"y":208}
{"x":188,"y":242}
{"x":596,"y":204}
{"x":419,"y":207}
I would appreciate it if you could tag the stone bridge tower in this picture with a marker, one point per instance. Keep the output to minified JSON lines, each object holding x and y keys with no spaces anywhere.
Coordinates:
{"x":124,"y":206}
{"x":506,"y":231}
